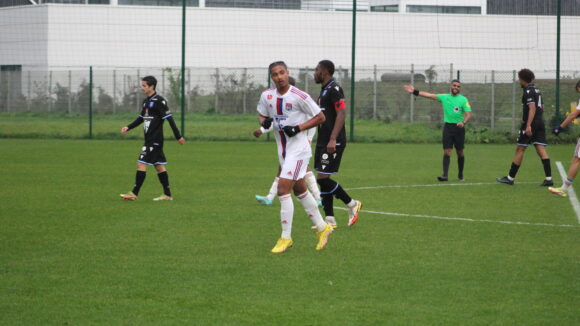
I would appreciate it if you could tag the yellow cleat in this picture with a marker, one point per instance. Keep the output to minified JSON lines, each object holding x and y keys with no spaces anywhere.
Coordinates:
{"x":282,"y":245}
{"x":162,"y":197}
{"x":323,"y":236}
{"x":129,"y":196}
{"x":558,"y":191}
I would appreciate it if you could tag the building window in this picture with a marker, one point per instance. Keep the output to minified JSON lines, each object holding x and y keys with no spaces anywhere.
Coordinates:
{"x":82,"y":2}
{"x":444,"y":9}
{"x":387,"y":8}
{"x":263,"y":4}
{"x":190,"y":3}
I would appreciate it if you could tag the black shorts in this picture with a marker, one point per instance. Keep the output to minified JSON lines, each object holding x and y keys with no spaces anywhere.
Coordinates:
{"x":538,"y":136}
{"x":453,"y":136}
{"x":326,"y":163}
{"x":152,"y":155}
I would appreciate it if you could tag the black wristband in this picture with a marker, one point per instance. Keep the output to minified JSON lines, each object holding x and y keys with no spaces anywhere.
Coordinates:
{"x":416,"y":92}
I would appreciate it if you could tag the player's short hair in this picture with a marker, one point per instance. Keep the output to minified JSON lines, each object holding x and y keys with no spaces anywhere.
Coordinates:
{"x":328,"y":65}
{"x":150,"y":80}
{"x":276,"y":64}
{"x":526,"y":75}
{"x":291,"y":81}
{"x":578,"y":84}
{"x":455,"y":81}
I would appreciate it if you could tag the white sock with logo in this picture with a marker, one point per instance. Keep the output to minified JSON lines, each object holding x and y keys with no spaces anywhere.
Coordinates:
{"x":286,"y":215}
{"x":273,"y":190}
{"x":311,"y":209}
{"x":312,"y":185}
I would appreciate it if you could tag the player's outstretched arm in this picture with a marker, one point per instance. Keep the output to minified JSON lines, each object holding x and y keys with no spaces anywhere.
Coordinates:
{"x":569,"y":118}
{"x":412,"y":90}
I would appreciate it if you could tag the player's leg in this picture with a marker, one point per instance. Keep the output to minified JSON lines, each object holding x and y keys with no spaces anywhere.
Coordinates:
{"x":310,"y":179}
{"x":164,"y":180}
{"x":139,"y":176}
{"x":572,"y":172}
{"x":267,"y":200}
{"x":285,"y":186}
{"x":540,"y":142}
{"x":517,"y":162}
{"x":311,"y":208}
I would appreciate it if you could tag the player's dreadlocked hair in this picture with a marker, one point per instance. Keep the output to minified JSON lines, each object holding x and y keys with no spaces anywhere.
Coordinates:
{"x":150,"y":80}
{"x":526,"y":75}
{"x":328,"y":65}
{"x":277,"y":63}
{"x":291,"y":81}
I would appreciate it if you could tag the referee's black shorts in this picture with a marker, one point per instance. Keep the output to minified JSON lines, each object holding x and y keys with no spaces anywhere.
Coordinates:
{"x":453,"y":136}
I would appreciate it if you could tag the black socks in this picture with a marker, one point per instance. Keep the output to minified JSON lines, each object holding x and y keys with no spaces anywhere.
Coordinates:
{"x":514,"y":170}
{"x":547,"y":167}
{"x":446,"y":161}
{"x":460,"y":165}
{"x":139,"y":179}
{"x":164,"y":179}
{"x":328,"y":189}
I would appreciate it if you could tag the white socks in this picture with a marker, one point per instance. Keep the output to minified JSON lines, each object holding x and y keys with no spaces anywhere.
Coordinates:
{"x":286,"y":215}
{"x":352,"y":203}
{"x":311,"y":209}
{"x":567,"y":183}
{"x":312,"y":185}
{"x":273,"y":190}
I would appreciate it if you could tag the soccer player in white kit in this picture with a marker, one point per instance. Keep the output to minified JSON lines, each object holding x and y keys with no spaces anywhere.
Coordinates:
{"x":575,"y":164}
{"x":291,"y":111}
{"x":309,"y":177}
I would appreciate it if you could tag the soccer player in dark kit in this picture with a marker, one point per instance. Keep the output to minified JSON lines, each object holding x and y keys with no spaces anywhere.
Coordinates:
{"x":153,"y":114}
{"x":331,"y":143}
{"x":532,"y":131}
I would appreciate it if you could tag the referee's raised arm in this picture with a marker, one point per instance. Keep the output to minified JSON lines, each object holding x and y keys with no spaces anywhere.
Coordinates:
{"x":412,"y":90}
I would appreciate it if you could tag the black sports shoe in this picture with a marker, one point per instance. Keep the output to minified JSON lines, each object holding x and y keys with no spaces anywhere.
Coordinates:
{"x":547,"y":183}
{"x":505,"y":180}
{"x":442,"y":178}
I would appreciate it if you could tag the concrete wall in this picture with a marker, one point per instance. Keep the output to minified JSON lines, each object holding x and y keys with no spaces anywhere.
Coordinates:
{"x":133,"y":36}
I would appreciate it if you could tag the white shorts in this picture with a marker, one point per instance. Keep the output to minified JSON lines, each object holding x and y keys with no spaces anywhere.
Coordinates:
{"x":294,"y":169}
{"x":577,"y":150}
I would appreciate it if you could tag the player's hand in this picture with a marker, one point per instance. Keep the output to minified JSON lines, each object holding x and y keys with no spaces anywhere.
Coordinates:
{"x":529,"y":131}
{"x":557,"y":130}
{"x":291,"y":131}
{"x":461,"y":125}
{"x":331,"y":146}
{"x":181,"y":140}
{"x":124,"y":130}
{"x":267,"y":123}
{"x":409,"y":89}
{"x":257,"y":133}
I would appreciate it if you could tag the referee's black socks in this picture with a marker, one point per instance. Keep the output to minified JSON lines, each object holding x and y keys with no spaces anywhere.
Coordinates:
{"x":460,"y":165}
{"x":139,"y":179}
{"x":164,"y":179}
{"x":446,"y":161}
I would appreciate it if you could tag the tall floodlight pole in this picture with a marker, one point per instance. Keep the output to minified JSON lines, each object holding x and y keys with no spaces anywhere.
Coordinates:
{"x":352,"y":65}
{"x":182,"y":99}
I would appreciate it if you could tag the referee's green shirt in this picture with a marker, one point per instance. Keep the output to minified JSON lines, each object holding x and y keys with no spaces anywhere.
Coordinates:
{"x":453,"y":107}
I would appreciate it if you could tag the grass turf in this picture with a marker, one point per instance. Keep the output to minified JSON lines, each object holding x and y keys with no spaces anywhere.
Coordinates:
{"x":73,"y":253}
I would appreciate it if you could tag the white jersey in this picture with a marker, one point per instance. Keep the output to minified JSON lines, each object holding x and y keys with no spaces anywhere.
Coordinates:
{"x":291,"y":109}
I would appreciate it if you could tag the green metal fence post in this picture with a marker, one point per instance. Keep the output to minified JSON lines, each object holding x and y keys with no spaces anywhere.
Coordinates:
{"x":352,"y":83}
{"x":182,"y":100}
{"x":557,"y":117}
{"x":91,"y":102}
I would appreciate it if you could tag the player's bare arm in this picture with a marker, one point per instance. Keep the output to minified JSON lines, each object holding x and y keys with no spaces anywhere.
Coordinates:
{"x":338,"y":124}
{"x":531,"y":114}
{"x":315,"y":121}
{"x":412,"y":90}
{"x":467,"y":117}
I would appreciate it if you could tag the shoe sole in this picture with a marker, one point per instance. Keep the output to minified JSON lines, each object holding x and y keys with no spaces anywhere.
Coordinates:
{"x":359,"y":207}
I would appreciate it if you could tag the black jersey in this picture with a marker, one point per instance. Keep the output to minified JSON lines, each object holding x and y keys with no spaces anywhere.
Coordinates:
{"x":532,"y":95}
{"x":153,"y":114}
{"x":330,"y":101}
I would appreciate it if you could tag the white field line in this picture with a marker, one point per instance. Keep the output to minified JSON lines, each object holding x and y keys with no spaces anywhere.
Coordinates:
{"x":571,"y":192}
{"x":432,"y":185}
{"x":462,"y":219}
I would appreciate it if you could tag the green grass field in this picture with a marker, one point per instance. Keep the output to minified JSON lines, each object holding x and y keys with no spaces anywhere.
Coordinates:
{"x":73,"y":253}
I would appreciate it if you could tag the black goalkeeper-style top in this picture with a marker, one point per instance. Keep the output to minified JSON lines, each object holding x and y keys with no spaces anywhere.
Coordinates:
{"x":153,"y":114}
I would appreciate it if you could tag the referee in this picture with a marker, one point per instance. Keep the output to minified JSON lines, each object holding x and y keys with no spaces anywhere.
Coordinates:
{"x":456,"y":113}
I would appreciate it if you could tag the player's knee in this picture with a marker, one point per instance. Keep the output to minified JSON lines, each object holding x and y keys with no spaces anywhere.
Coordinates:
{"x":283,"y":189}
